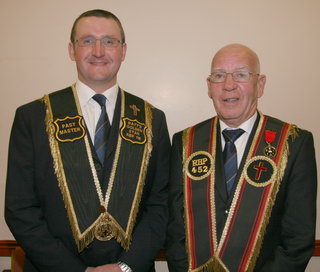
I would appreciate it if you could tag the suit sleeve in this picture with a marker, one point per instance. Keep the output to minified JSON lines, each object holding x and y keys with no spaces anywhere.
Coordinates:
{"x":175,"y":243}
{"x":297,"y":226}
{"x":23,"y":211}
{"x":149,"y":233}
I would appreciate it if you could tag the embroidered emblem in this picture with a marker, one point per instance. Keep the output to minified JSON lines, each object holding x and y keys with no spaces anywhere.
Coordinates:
{"x":270,"y":136}
{"x":69,"y":129}
{"x":133,"y":131}
{"x":199,"y":165}
{"x":103,"y":230}
{"x":135,"y":109}
{"x":260,"y":171}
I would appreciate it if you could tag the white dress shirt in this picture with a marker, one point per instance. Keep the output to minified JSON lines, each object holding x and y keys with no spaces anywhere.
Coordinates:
{"x":91,"y":110}
{"x":241,"y":142}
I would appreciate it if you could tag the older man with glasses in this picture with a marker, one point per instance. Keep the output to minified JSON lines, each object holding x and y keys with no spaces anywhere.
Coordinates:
{"x":242,"y":184}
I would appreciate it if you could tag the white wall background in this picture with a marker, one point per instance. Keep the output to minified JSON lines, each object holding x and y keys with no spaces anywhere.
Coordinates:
{"x":170,"y":46}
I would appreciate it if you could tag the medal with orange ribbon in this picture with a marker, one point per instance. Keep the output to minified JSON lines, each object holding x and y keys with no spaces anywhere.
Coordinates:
{"x":270,"y":136}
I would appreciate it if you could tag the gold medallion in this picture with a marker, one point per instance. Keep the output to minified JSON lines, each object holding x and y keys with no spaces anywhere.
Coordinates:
{"x":103,"y":230}
{"x":270,"y":151}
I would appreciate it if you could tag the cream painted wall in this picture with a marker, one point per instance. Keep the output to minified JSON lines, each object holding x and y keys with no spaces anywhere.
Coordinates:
{"x":170,"y":45}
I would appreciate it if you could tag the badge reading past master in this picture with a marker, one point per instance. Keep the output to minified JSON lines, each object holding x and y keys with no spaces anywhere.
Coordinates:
{"x":69,"y":129}
{"x":133,"y":131}
{"x":199,"y":165}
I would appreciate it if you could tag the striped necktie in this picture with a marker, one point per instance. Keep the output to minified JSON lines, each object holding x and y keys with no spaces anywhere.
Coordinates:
{"x":102,"y":128}
{"x":230,"y":156}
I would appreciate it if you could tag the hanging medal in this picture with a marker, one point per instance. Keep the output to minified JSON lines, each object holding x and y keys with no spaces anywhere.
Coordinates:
{"x":270,"y":136}
{"x":103,"y":230}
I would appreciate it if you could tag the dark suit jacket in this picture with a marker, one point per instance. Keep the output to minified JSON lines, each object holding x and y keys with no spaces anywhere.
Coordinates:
{"x":35,"y":212}
{"x":289,"y":239}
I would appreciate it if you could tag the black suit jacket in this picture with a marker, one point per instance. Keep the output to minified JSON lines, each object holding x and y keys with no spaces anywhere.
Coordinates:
{"x":289,"y":239}
{"x":35,"y":212}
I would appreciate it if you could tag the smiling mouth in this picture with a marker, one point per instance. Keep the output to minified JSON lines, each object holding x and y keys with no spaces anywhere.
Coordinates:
{"x":98,"y":62}
{"x":230,"y":99}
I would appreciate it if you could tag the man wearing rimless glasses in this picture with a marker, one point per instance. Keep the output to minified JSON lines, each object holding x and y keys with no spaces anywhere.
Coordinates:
{"x":242,"y":184}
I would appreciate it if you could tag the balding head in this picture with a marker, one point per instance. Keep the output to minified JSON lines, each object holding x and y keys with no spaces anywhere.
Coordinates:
{"x":235,"y":50}
{"x":235,"y":84}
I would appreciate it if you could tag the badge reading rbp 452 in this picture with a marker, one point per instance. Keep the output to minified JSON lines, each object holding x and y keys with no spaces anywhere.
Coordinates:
{"x":199,"y":165}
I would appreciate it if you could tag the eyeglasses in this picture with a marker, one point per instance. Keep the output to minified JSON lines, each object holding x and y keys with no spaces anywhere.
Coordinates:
{"x":238,"y":76}
{"x":91,"y":41}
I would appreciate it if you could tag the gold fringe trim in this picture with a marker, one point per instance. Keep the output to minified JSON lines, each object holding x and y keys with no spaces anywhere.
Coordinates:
{"x":272,"y":197}
{"x":214,"y":264}
{"x":294,"y":132}
{"x":185,"y":137}
{"x":125,"y":237}
{"x":85,"y":238}
{"x":81,"y":240}
{"x":143,"y":172}
{"x":212,"y":180}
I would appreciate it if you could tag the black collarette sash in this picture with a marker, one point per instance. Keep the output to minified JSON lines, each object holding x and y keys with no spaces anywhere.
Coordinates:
{"x":76,"y":173}
{"x":252,"y":203}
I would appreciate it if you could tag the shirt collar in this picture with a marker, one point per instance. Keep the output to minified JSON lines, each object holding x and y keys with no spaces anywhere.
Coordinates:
{"x":246,"y":126}
{"x":85,"y":93}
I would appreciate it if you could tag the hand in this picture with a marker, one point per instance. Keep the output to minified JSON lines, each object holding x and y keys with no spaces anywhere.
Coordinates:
{"x":105,"y":268}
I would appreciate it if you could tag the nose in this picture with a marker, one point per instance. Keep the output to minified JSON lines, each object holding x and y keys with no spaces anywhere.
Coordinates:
{"x":98,"y":49}
{"x":229,"y":83}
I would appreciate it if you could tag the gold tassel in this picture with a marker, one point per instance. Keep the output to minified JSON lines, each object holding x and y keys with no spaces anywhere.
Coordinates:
{"x":294,"y":132}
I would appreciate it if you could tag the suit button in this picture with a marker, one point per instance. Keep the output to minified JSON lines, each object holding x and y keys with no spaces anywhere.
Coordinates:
{"x":226,"y":212}
{"x":98,"y":166}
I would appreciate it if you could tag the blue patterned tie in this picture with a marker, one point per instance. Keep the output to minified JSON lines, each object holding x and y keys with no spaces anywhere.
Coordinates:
{"x":230,"y":155}
{"x":102,"y":128}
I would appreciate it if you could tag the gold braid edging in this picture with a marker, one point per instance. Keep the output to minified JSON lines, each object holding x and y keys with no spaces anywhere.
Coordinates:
{"x":81,"y":240}
{"x":280,"y":173}
{"x":143,"y":173}
{"x":214,"y":264}
{"x":124,"y":237}
{"x":59,"y":172}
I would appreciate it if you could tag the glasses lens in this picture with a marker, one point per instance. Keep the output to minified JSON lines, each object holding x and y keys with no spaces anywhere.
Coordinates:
{"x":87,"y":41}
{"x":109,"y":42}
{"x":218,"y":77}
{"x":241,"y":76}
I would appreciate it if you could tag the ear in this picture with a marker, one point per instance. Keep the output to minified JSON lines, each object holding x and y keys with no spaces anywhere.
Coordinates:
{"x":71,"y":51}
{"x":209,"y":88}
{"x":124,"y":51}
{"x":260,"y":85}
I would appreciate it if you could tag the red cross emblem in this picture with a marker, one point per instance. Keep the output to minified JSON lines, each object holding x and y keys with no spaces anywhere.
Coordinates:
{"x":259,"y":169}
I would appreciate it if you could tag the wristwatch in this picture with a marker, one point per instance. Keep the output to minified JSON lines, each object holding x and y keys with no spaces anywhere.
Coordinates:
{"x":124,"y":267}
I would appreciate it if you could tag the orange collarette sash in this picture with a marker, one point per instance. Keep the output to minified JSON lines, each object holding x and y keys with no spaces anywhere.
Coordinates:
{"x":252,"y":203}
